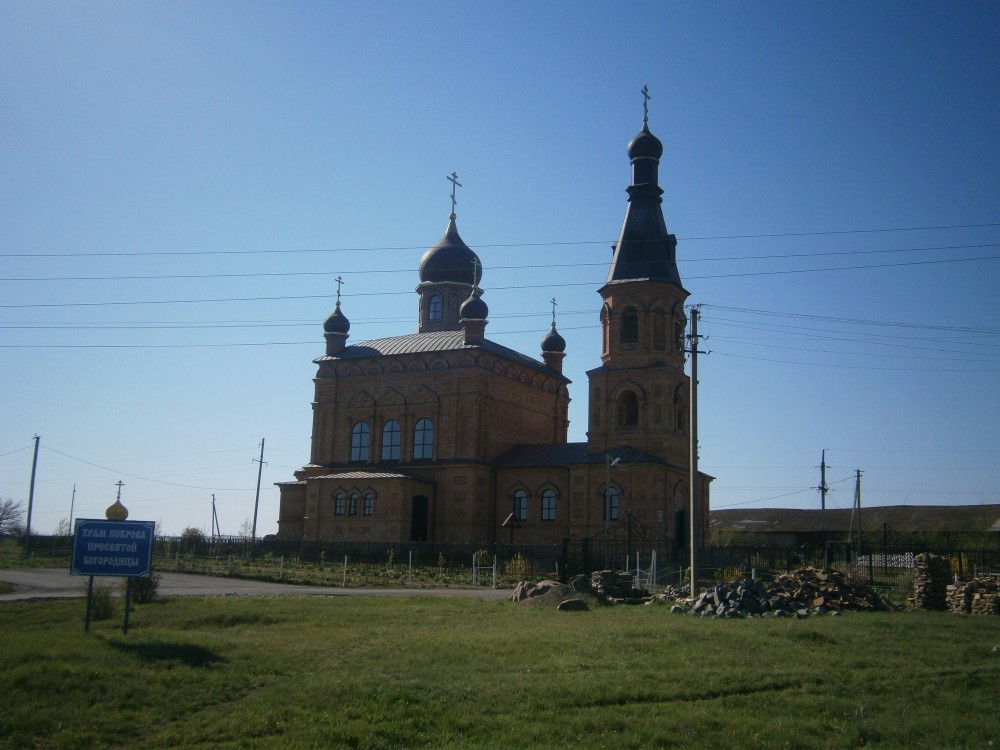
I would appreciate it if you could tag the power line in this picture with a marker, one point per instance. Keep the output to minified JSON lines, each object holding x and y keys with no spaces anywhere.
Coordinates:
{"x":366,"y":272}
{"x":515,"y":287}
{"x":764,"y":235}
{"x":147,"y":479}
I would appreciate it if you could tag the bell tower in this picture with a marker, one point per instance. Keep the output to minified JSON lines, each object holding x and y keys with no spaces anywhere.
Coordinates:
{"x":639,"y":395}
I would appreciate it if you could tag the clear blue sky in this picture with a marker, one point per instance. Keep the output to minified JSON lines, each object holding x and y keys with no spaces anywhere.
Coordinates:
{"x":181,"y":182}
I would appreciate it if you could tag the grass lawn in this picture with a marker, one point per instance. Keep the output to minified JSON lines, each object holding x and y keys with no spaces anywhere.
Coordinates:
{"x":369,"y":672}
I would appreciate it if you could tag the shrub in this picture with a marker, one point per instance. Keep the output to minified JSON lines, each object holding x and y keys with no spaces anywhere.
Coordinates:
{"x":103,"y":605}
{"x":144,"y":590}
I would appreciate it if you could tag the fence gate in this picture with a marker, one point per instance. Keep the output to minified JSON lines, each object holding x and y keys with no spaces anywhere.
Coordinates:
{"x":615,"y":547}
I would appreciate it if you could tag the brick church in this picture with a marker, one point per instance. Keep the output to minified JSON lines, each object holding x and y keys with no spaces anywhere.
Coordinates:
{"x":443,"y":435}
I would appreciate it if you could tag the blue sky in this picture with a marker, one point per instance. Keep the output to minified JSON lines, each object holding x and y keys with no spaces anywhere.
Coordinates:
{"x":181,"y":182}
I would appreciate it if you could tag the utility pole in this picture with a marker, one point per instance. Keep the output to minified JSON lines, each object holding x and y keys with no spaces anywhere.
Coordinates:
{"x":216,"y":531}
{"x":823,"y":486}
{"x":31,"y":497}
{"x":256,"y":502}
{"x":857,"y":501}
{"x":856,"y":509}
{"x":695,"y":521}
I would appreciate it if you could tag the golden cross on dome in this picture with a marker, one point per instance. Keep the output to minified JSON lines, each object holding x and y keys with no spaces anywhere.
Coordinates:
{"x":453,"y":179}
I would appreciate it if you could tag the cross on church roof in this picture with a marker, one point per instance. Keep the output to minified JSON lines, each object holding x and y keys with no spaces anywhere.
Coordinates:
{"x":453,"y":179}
{"x":645,"y":103}
{"x":554,"y":303}
{"x":339,"y":280}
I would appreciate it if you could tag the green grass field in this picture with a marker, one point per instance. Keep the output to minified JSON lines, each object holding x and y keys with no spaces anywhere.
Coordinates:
{"x":424,"y":672}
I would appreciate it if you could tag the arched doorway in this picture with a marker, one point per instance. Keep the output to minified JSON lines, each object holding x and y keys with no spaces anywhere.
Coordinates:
{"x":418,"y":519}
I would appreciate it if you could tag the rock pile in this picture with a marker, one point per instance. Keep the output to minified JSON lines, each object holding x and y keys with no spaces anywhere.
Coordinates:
{"x":980,"y":596}
{"x":618,"y":586}
{"x":802,"y":593}
{"x":805,"y":592}
{"x":931,"y":575}
{"x":577,"y":596}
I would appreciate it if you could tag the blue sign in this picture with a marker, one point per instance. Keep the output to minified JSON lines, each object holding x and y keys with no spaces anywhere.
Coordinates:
{"x":112,"y":548}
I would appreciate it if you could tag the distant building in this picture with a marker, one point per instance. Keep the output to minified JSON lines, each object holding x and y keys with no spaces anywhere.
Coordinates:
{"x":445,"y":435}
{"x":971,"y":526}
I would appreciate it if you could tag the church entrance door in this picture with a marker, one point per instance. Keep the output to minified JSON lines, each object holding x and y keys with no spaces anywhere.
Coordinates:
{"x":418,"y":519}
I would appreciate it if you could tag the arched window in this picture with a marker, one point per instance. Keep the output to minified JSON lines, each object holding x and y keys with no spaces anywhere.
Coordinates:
{"x":660,"y":330}
{"x":612,"y":502}
{"x":549,"y":505}
{"x":338,"y":504}
{"x":521,"y":505}
{"x":680,"y":411}
{"x":630,"y":328}
{"x":391,"y":440}
{"x":628,"y":409}
{"x":369,"y":504}
{"x":355,"y":499}
{"x":434,"y":307}
{"x":361,"y":439}
{"x":423,"y":439}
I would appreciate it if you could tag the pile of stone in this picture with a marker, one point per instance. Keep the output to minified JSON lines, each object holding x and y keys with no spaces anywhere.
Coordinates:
{"x":809,"y":591}
{"x":619,"y":587}
{"x":577,"y":596}
{"x":805,"y":592}
{"x":980,"y":596}
{"x":931,"y":576}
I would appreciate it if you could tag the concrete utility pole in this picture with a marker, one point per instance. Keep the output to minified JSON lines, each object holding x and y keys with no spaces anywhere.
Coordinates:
{"x":216,"y":531}
{"x":823,"y":486}
{"x":256,"y":502}
{"x":31,"y":497}
{"x":857,"y":501}
{"x":695,"y":524}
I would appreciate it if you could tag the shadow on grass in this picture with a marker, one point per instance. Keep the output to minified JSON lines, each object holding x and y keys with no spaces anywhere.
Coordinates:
{"x":189,"y":654}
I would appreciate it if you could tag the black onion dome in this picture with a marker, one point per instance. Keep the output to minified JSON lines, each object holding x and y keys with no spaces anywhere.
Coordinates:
{"x":645,"y":144}
{"x":474,"y":308}
{"x":553,"y":342}
{"x":450,"y":260}
{"x":337,"y":322}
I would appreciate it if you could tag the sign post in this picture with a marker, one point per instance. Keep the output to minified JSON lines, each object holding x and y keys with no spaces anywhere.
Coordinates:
{"x":112,"y":548}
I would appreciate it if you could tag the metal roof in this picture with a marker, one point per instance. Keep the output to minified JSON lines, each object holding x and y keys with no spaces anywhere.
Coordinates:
{"x":566,"y":454}
{"x":434,"y":341}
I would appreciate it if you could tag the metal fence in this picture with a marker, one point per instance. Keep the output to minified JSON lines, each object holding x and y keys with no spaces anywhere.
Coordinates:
{"x":626,"y":546}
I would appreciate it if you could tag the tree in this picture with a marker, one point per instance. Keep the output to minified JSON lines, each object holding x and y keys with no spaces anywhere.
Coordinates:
{"x":63,"y":529}
{"x":246,"y":529}
{"x":11,"y":517}
{"x":192,"y":534}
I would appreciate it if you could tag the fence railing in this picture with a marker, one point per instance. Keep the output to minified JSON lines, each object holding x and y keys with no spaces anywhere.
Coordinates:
{"x":656,"y":561}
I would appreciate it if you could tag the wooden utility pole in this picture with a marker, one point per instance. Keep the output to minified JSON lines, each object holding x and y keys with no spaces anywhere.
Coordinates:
{"x":256,"y":502}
